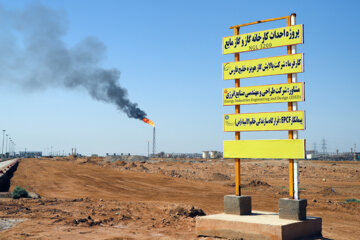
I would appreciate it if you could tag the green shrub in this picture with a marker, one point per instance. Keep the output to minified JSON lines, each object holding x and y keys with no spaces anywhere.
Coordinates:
{"x":19,"y":193}
{"x":351,"y":200}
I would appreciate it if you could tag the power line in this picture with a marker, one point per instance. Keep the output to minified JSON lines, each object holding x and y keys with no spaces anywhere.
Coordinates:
{"x":323,"y":145}
{"x":315,"y":147}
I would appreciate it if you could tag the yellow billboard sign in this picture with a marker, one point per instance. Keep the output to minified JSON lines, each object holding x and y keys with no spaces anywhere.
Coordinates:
{"x":275,"y":93}
{"x":264,"y":67}
{"x":273,"y":149}
{"x":272,"y":38}
{"x":269,"y":121}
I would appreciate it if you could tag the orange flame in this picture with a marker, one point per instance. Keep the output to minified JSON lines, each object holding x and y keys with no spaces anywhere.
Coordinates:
{"x":148,"y":121}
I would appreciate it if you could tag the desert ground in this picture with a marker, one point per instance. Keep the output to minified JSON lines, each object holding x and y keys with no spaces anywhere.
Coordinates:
{"x":92,"y":198}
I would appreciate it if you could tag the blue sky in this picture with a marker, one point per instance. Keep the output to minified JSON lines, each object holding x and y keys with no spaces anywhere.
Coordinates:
{"x":169,"y":56}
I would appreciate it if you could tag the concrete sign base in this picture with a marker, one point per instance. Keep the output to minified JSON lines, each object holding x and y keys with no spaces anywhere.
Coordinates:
{"x":292,"y":209}
{"x":238,"y":205}
{"x":258,"y":225}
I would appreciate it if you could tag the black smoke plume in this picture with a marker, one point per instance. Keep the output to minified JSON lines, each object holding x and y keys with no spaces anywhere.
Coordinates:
{"x":33,"y":54}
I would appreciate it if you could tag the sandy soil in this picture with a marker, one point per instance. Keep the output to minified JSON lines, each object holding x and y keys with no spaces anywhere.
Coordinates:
{"x":90,"y":198}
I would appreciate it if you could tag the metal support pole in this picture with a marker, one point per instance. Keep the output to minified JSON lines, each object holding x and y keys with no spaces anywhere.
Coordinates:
{"x":294,"y":169}
{"x":237,"y":134}
{"x":354,"y":152}
{"x":260,"y":21}
{"x":291,"y":161}
{"x":6,"y":143}
{"x":2,"y":152}
{"x":154,"y":142}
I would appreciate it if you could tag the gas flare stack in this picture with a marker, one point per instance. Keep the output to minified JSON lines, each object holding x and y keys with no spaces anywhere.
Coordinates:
{"x":148,"y":121}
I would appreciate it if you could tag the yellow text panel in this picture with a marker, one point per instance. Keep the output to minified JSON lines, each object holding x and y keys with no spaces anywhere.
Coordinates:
{"x":272,"y":149}
{"x":275,"y":93}
{"x":271,"y":38}
{"x":268,"y":121}
{"x":293,"y":63}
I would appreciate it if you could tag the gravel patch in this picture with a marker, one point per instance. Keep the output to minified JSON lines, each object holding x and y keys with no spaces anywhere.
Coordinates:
{"x":7,"y":223}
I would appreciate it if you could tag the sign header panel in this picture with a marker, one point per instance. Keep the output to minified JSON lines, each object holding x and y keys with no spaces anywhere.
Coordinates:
{"x":264,"y":39}
{"x":264,"y":67}
{"x":273,"y":149}
{"x":270,"y":121}
{"x":275,"y":93}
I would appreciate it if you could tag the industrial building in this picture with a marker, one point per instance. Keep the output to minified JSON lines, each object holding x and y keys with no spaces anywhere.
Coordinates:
{"x":29,"y":154}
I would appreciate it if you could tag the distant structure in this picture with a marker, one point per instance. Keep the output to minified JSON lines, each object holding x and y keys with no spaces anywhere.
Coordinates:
{"x":176,"y":155}
{"x":315,"y":147}
{"x":215,"y":154}
{"x":211,"y":154}
{"x":310,"y":154}
{"x":29,"y":154}
{"x":73,"y":152}
{"x":355,"y":158}
{"x":323,"y":146}
{"x":154,"y":142}
{"x":351,"y":155}
{"x":205,"y":154}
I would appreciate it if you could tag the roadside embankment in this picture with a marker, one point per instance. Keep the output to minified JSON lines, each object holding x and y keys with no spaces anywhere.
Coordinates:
{"x":7,"y":169}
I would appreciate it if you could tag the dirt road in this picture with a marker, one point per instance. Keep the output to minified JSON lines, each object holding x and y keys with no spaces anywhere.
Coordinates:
{"x":93,"y":199}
